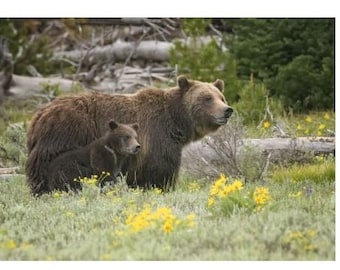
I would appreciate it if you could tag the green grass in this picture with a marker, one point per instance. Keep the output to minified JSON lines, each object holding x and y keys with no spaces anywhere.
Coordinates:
{"x":319,"y":172}
{"x":294,"y":225}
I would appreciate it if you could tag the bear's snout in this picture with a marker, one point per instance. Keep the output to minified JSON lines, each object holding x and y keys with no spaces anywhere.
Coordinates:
{"x":136,"y":149}
{"x":228,"y":112}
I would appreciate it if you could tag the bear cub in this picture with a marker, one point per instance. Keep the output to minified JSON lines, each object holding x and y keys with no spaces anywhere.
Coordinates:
{"x":104,"y":154}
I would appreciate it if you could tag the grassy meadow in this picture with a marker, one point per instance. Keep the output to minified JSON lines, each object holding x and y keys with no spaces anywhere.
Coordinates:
{"x":286,"y":219}
{"x":289,"y":215}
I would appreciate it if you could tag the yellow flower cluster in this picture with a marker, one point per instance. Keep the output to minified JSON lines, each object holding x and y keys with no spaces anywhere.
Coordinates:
{"x":261,"y":197}
{"x":93,"y":180}
{"x":194,"y":186}
{"x":88,"y":181}
{"x":220,"y":189}
{"x":231,"y":196}
{"x":315,"y":126}
{"x":162,"y":218}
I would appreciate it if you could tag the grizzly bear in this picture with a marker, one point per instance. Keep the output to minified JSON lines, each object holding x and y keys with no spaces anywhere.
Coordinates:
{"x":105,"y":154}
{"x":168,"y":120}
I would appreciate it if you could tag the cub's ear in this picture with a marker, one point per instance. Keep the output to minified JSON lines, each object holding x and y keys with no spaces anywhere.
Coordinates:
{"x":135,"y":126}
{"x":219,"y":84}
{"x":113,"y":124}
{"x":183,"y":83}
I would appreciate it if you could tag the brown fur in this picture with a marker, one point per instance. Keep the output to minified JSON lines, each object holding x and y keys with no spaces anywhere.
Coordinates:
{"x":168,"y":120}
{"x":104,"y":154}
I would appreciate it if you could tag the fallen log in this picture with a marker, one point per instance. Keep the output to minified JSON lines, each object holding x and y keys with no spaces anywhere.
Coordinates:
{"x":200,"y":158}
{"x":10,"y":170}
{"x":119,"y":51}
{"x":23,"y":87}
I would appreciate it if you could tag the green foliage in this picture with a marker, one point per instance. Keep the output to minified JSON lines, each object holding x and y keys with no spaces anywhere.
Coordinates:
{"x":205,"y":62}
{"x":27,"y":50}
{"x":13,"y":145}
{"x":293,"y":57}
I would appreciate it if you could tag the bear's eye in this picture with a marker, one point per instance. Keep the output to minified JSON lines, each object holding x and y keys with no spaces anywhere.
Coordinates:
{"x":208,"y":99}
{"x":126,"y":138}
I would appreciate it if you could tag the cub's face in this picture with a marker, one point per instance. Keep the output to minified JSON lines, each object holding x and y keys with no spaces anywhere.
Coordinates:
{"x":207,"y":107}
{"x":123,"y":138}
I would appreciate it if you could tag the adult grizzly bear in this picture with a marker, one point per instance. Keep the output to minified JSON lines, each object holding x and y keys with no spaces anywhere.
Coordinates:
{"x":168,"y":120}
{"x":104,"y":154}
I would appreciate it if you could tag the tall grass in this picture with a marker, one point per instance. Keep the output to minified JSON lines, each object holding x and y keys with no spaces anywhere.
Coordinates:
{"x":294,"y":225}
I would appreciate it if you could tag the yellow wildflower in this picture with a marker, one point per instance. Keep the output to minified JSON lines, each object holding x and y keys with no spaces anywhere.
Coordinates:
{"x":326,"y":116}
{"x":225,"y":191}
{"x":322,"y":127}
{"x":308,"y":119}
{"x":168,"y":226}
{"x":9,"y":244}
{"x":218,"y":185}
{"x":266,"y":124}
{"x":211,"y":202}
{"x":237,"y":185}
{"x":299,"y":127}
{"x":261,"y":197}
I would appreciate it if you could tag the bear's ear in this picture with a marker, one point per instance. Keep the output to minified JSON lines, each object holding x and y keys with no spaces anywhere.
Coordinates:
{"x":135,"y":126}
{"x":113,"y":124}
{"x":183,"y":83}
{"x":219,"y":84}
